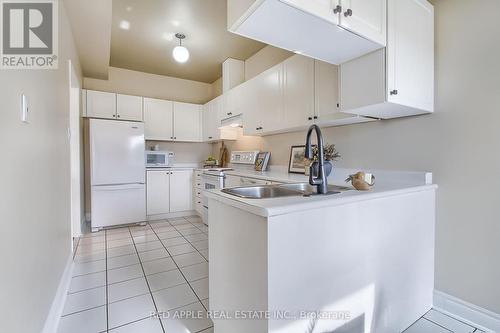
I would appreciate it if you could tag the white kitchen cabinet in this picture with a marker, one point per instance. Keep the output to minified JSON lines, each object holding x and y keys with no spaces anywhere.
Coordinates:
{"x":101,"y":104}
{"x":181,"y":189}
{"x":264,"y":112}
{"x":129,"y":107}
{"x":365,"y":18}
{"x":397,"y":81}
{"x":158,"y":192}
{"x":326,"y":90}
{"x":169,"y":191}
{"x":298,"y":91}
{"x":187,"y":122}
{"x":320,"y":8}
{"x":213,"y":113}
{"x":210,"y":121}
{"x":312,"y":27}
{"x":158,"y":117}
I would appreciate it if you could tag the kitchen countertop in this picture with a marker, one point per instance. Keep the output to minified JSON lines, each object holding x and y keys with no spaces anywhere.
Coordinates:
{"x":388,"y":183}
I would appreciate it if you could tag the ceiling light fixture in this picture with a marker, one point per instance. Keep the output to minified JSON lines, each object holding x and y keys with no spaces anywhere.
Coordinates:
{"x":180,"y":53}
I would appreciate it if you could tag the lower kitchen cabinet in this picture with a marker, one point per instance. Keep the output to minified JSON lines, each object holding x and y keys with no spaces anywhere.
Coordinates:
{"x":169,"y":191}
{"x":158,"y":192}
{"x":181,"y":198}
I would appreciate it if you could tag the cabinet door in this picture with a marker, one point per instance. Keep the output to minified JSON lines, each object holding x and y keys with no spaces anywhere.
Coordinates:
{"x":320,"y":8}
{"x":298,"y":96}
{"x":129,"y":107}
{"x":158,"y":192}
{"x":268,"y":96}
{"x":362,"y":81}
{"x":326,"y":90}
{"x":158,"y":116}
{"x":181,"y":187}
{"x":252,"y":116}
{"x":101,"y":104}
{"x":366,"y":18}
{"x":410,"y":53}
{"x":209,"y":119}
{"x":187,"y":122}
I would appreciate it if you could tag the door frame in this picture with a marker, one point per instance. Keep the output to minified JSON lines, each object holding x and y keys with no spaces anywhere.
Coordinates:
{"x":75,"y":153}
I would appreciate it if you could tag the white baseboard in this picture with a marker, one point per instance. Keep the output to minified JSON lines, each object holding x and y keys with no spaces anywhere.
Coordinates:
{"x":57,"y":306}
{"x":467,"y":312}
{"x":172,"y":215}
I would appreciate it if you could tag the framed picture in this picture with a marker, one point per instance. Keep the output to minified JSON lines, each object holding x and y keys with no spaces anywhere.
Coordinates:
{"x":298,"y":161}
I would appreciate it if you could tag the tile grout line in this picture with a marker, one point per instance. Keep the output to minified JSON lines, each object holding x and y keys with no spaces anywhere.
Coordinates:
{"x":191,"y":287}
{"x":187,"y":240}
{"x":145,"y":277}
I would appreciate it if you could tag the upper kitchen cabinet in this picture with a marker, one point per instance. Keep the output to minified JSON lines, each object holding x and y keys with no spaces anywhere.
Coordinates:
{"x":330,"y":30}
{"x":158,"y":117}
{"x":187,"y":122}
{"x":213,"y":113}
{"x":264,"y":104}
{"x":129,"y":107}
{"x":101,"y":104}
{"x":298,"y":91}
{"x":397,"y":81}
{"x":172,"y":121}
{"x":365,"y":18}
{"x":326,"y":98}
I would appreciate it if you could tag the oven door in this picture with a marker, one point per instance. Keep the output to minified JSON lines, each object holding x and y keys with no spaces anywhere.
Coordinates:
{"x":209,"y":182}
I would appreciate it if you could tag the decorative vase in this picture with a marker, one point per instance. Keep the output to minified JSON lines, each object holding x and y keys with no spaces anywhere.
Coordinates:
{"x":327,"y":165}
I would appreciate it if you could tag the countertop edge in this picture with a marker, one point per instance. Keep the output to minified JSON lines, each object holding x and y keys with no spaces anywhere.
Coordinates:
{"x":245,"y":204}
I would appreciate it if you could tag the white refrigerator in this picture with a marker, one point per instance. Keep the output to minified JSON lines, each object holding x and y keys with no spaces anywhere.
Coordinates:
{"x":117,"y":173}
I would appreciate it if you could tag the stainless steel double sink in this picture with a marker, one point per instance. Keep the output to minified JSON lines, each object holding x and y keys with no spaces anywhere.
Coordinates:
{"x":280,"y":190}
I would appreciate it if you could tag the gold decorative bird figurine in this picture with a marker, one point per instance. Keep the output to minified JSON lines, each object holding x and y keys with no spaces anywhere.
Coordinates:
{"x":361,"y":181}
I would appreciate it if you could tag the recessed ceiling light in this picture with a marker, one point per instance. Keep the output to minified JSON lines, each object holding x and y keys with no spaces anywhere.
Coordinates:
{"x":128,"y":8}
{"x":180,"y":53}
{"x":175,"y":23}
{"x":125,"y":25}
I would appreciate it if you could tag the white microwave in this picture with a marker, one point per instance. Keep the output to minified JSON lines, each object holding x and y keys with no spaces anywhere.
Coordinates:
{"x":159,"y":159}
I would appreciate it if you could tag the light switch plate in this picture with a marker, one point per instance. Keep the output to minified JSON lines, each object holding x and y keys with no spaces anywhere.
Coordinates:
{"x":24,"y":108}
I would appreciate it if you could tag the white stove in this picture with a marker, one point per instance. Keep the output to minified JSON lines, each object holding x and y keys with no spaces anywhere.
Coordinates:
{"x":214,"y":178}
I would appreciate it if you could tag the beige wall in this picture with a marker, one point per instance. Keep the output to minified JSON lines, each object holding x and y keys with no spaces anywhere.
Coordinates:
{"x":150,"y":85}
{"x":265,"y":58}
{"x":35,"y":190}
{"x":185,"y":152}
{"x":459,"y":143}
{"x":217,"y":87}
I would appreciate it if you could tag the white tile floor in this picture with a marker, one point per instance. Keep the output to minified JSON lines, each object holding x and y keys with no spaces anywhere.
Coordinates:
{"x":123,"y":275}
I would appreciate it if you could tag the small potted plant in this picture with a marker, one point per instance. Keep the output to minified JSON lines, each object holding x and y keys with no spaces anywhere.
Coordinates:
{"x":330,"y":154}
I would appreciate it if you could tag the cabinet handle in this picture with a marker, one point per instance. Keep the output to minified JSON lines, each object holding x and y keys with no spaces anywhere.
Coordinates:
{"x":209,"y":137}
{"x":309,"y":118}
{"x":393,"y":92}
{"x":175,"y":137}
{"x":337,"y":9}
{"x":229,"y":113}
{"x":114,"y":116}
{"x":118,"y":116}
{"x":348,"y":12}
{"x":171,"y":137}
{"x":258,"y":128}
{"x":338,"y":105}
{"x":315,"y":117}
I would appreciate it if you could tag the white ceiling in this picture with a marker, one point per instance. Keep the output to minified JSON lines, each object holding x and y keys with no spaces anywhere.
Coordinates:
{"x":147,"y":45}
